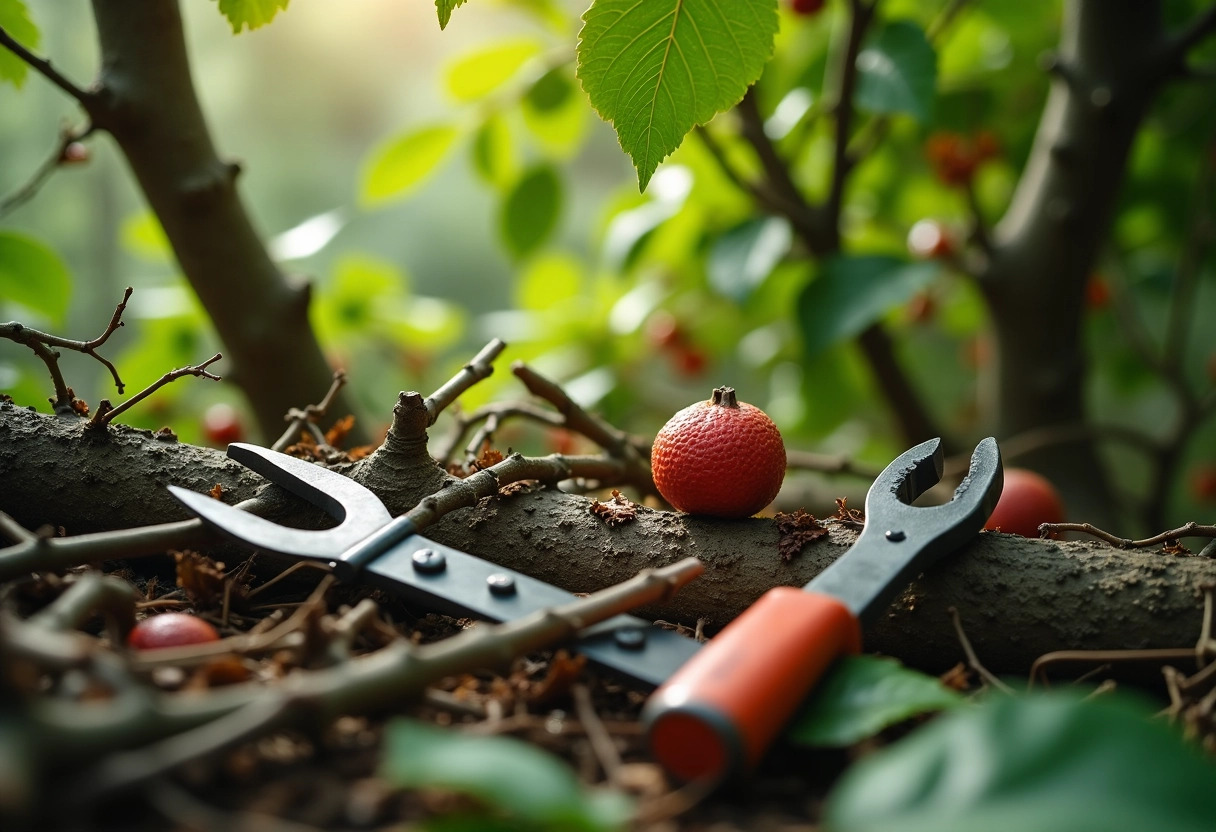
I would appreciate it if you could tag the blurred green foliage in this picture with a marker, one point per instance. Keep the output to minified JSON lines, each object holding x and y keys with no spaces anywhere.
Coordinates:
{"x":434,"y":210}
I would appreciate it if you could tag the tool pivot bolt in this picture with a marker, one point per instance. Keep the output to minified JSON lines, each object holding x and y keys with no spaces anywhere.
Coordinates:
{"x":429,"y":561}
{"x":895,"y":535}
{"x":630,"y":638}
{"x":501,"y":585}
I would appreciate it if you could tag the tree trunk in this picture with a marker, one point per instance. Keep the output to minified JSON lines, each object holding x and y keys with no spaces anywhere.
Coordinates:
{"x":1045,"y":247}
{"x":146,"y":100}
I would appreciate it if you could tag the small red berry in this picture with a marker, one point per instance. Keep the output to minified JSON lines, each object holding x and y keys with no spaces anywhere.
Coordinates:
{"x":663,"y":330}
{"x":1027,"y":499}
{"x":1203,"y":484}
{"x":690,"y":361}
{"x":74,"y":153}
{"x":928,"y":239}
{"x":807,"y":7}
{"x":222,"y":424}
{"x":1097,"y":292}
{"x":722,"y":457}
{"x":922,"y":308}
{"x":171,"y":629}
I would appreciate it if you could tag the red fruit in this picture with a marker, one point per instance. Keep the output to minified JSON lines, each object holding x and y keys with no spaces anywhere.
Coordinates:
{"x":807,"y":7}
{"x":1203,"y":484}
{"x":222,"y":424}
{"x":921,"y":308}
{"x":1097,"y":292}
{"x":928,"y":239}
{"x":1027,"y":500}
{"x":721,"y":457}
{"x":690,"y":361}
{"x":171,"y":629}
{"x":663,"y":330}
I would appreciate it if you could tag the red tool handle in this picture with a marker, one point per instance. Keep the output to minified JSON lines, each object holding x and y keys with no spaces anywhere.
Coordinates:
{"x":719,"y":712}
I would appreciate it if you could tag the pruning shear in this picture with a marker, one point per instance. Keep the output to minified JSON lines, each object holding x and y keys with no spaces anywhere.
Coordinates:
{"x":717,"y":706}
{"x":718,"y":712}
{"x":368,"y":544}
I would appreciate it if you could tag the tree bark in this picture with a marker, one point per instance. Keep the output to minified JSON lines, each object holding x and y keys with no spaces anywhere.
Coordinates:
{"x":146,"y":100}
{"x":1017,"y":598}
{"x":1106,"y":74}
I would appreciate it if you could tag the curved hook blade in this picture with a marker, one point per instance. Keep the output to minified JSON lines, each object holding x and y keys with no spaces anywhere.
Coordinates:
{"x":358,"y":510}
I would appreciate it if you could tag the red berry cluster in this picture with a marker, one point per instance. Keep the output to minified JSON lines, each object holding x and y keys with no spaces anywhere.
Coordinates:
{"x":955,"y":157}
{"x":666,"y":333}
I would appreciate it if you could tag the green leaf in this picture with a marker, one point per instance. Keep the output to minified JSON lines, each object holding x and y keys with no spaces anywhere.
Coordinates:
{"x":743,"y":257}
{"x":400,"y":166}
{"x":656,"y":69}
{"x":479,"y":73}
{"x":15,"y":19}
{"x":357,"y":298}
{"x":1051,"y":763}
{"x":551,"y":280}
{"x":851,"y":293}
{"x":493,"y":152}
{"x":33,"y":275}
{"x":897,"y":72}
{"x":143,"y":236}
{"x":863,"y":695}
{"x":530,"y":209}
{"x":503,"y":772}
{"x":554,"y":112}
{"x":251,"y":13}
{"x":444,"y":8}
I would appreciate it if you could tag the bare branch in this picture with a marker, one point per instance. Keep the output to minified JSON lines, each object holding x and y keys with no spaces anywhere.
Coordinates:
{"x":58,"y":157}
{"x":1191,"y":529}
{"x":310,"y":415}
{"x":479,"y":368}
{"x":106,"y":414}
{"x":44,"y":344}
{"x":43,"y":67}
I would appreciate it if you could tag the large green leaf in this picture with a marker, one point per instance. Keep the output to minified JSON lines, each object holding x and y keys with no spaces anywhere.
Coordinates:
{"x":251,"y":13}
{"x":1048,"y":763}
{"x":656,"y":69}
{"x":399,"y":166}
{"x":530,"y":209}
{"x":504,"y":773}
{"x":850,"y":293}
{"x":479,"y":73}
{"x":897,"y":72}
{"x":862,"y":695}
{"x":743,"y":257}
{"x":33,"y":275}
{"x":15,"y":19}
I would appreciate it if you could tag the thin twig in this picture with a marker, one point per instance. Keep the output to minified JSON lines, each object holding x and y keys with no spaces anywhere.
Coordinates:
{"x":501,"y":413}
{"x":106,"y":414}
{"x":973,"y":660}
{"x":310,"y":414}
{"x":23,"y":194}
{"x":44,"y":345}
{"x":602,"y":744}
{"x":1191,"y":529}
{"x":1038,"y":670}
{"x":481,"y":367}
{"x":43,"y":67}
{"x":14,"y":531}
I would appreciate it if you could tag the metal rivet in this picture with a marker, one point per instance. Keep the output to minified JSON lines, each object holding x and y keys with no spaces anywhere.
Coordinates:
{"x":895,"y":535}
{"x":429,"y":562}
{"x":501,"y":584}
{"x":630,"y":638}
